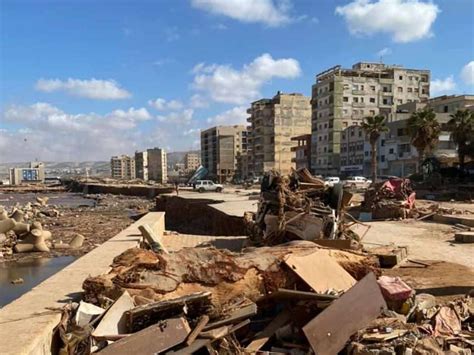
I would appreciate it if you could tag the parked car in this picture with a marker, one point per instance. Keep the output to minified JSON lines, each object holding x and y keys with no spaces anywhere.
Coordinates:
{"x":330,"y":181}
{"x":357,"y":182}
{"x":207,"y":185}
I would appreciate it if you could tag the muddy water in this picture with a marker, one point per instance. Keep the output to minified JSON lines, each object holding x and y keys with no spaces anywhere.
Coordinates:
{"x":32,"y":272}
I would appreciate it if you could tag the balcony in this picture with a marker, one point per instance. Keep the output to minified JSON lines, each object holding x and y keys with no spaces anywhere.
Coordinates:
{"x":358,"y":92}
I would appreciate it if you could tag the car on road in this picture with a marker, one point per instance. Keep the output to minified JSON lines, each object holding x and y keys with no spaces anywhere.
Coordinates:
{"x":208,"y":185}
{"x":330,"y":181}
{"x":357,"y":182}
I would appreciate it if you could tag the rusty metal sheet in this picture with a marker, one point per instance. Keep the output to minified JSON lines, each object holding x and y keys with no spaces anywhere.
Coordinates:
{"x":154,"y":339}
{"x":329,"y":331}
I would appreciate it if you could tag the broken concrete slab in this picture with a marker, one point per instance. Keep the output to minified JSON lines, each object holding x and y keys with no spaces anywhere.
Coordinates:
{"x":329,"y":331}
{"x":320,"y":272}
{"x":152,"y":239}
{"x":390,"y":255}
{"x":464,"y":237}
{"x":152,"y":340}
{"x":114,"y":322}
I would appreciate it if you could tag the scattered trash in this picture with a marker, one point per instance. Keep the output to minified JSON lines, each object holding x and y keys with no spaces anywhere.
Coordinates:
{"x":17,"y":281}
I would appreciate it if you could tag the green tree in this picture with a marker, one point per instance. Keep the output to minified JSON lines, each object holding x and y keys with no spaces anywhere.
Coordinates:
{"x":373,"y":127}
{"x":461,"y":126}
{"x":424,"y":130}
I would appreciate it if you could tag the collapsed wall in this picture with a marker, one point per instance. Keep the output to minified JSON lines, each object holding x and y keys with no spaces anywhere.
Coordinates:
{"x":197,"y":216}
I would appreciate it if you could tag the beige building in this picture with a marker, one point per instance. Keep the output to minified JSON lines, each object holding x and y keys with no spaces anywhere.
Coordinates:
{"x":32,"y":174}
{"x":157,"y":165}
{"x":141,"y":165}
{"x":220,"y":148}
{"x":273,"y":124}
{"x":343,"y":97}
{"x":302,"y":156}
{"x":192,"y":161}
{"x":122,"y":167}
{"x":396,"y":155}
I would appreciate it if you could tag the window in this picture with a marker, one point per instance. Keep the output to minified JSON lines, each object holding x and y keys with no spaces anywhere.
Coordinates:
{"x":382,"y":158}
{"x":410,"y":89}
{"x":325,"y":125}
{"x":355,"y":99}
{"x":360,"y":133}
{"x":385,"y":101}
{"x":410,"y":78}
{"x":352,"y":132}
{"x":372,"y":100}
{"x":417,"y":90}
{"x":361,"y":99}
{"x":400,"y":89}
{"x":400,"y":132}
{"x":345,"y":99}
{"x":400,"y":101}
{"x":325,"y":149}
{"x":344,"y":124}
{"x":372,"y":88}
{"x":400,"y":77}
{"x":445,"y":108}
{"x":366,"y":154}
{"x":320,"y":138}
{"x":390,"y":151}
{"x":362,"y":87}
{"x":344,"y":112}
{"x":355,"y":87}
{"x":343,"y":136}
{"x":382,"y":143}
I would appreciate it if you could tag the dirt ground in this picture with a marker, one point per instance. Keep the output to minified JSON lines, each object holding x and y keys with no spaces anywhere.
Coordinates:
{"x":97,"y":224}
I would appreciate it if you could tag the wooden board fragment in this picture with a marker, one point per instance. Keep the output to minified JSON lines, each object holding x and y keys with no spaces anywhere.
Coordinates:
{"x":237,"y":315}
{"x":199,"y":327}
{"x":154,"y":339}
{"x":320,"y":271}
{"x":329,"y":331}
{"x":279,"y":321}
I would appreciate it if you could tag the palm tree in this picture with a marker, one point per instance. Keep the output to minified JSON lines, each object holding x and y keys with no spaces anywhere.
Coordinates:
{"x":461,"y":126}
{"x":373,"y":127}
{"x":424,"y":130}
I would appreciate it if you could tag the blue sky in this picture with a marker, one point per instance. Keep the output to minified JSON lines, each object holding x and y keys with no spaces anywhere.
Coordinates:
{"x":82,"y":80}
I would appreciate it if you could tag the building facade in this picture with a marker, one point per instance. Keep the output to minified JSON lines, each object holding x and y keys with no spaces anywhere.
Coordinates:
{"x":157,"y":165}
{"x":302,"y":151}
{"x":395,"y":153}
{"x":273,"y":124}
{"x":122,"y":167}
{"x":220,"y":148}
{"x":192,"y":161}
{"x":141,"y":165}
{"x":33,"y":174}
{"x":343,"y":97}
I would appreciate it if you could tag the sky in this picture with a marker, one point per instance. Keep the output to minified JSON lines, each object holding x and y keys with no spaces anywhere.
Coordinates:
{"x":83,"y":80}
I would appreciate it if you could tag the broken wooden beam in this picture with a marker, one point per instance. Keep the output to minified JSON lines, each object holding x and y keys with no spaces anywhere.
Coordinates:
{"x":199,"y":327}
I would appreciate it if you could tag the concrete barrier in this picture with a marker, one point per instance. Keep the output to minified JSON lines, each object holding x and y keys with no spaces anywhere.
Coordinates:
{"x":454,"y":219}
{"x":27,"y":324}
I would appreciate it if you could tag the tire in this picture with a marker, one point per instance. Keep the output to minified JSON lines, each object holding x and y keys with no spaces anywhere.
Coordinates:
{"x":201,"y":190}
{"x":219,"y":189}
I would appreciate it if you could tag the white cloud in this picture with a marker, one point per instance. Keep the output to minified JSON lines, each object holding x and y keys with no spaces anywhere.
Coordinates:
{"x":440,"y":86}
{"x":467,"y":73}
{"x":48,"y":133}
{"x":384,"y":51}
{"x":404,"y":20}
{"x":234,"y":116}
{"x":269,"y":12}
{"x":183,"y":117}
{"x":197,"y":101}
{"x":226,"y":84}
{"x":161,"y":104}
{"x":172,"y":34}
{"x":91,"y":89}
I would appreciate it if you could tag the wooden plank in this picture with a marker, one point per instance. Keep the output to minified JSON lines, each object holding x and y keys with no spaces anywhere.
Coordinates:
{"x":279,"y":321}
{"x":154,"y":339}
{"x":148,"y":314}
{"x":239,"y":314}
{"x":334,"y":243}
{"x":201,"y":324}
{"x":320,"y":271}
{"x":329,"y":331}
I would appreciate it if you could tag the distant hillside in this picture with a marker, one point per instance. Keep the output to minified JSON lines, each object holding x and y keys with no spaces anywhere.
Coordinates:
{"x":178,"y":157}
{"x":101,"y":168}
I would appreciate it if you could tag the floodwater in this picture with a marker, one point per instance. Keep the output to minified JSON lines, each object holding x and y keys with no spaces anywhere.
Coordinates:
{"x":64,"y":199}
{"x":32,"y":271}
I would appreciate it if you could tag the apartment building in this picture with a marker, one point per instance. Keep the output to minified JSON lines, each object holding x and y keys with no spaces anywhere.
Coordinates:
{"x":141,"y":165}
{"x":302,"y":150}
{"x":220,"y":148}
{"x":192,"y":161}
{"x":157,"y":165}
{"x":273,"y":124}
{"x":122,"y":167}
{"x":343,"y":97}
{"x":396,"y":155}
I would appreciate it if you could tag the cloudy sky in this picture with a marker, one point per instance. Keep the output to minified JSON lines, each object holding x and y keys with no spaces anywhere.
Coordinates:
{"x":87,"y":79}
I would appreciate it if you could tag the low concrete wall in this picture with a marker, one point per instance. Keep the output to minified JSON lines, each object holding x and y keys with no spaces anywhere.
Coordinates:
{"x":127,"y":190}
{"x":27,"y":326}
{"x":454,"y":219}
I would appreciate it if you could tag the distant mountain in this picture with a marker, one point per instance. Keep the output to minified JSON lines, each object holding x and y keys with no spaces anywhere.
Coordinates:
{"x":178,"y":157}
{"x":101,"y":168}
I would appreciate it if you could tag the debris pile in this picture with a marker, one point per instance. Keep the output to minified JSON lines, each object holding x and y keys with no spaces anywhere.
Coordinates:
{"x":298,"y":207}
{"x":21,"y":230}
{"x":294,"y":298}
{"x":390,"y":199}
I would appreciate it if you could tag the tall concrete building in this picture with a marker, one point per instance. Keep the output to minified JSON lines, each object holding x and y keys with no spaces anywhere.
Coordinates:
{"x":302,"y":158}
{"x":191,"y":161}
{"x":343,"y":97}
{"x":122,"y":167}
{"x":157,"y":165}
{"x":273,"y":124}
{"x":220,"y":148}
{"x":141,"y":165}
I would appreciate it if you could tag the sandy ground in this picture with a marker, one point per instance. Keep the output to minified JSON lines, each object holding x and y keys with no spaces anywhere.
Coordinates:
{"x":425,"y":240}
